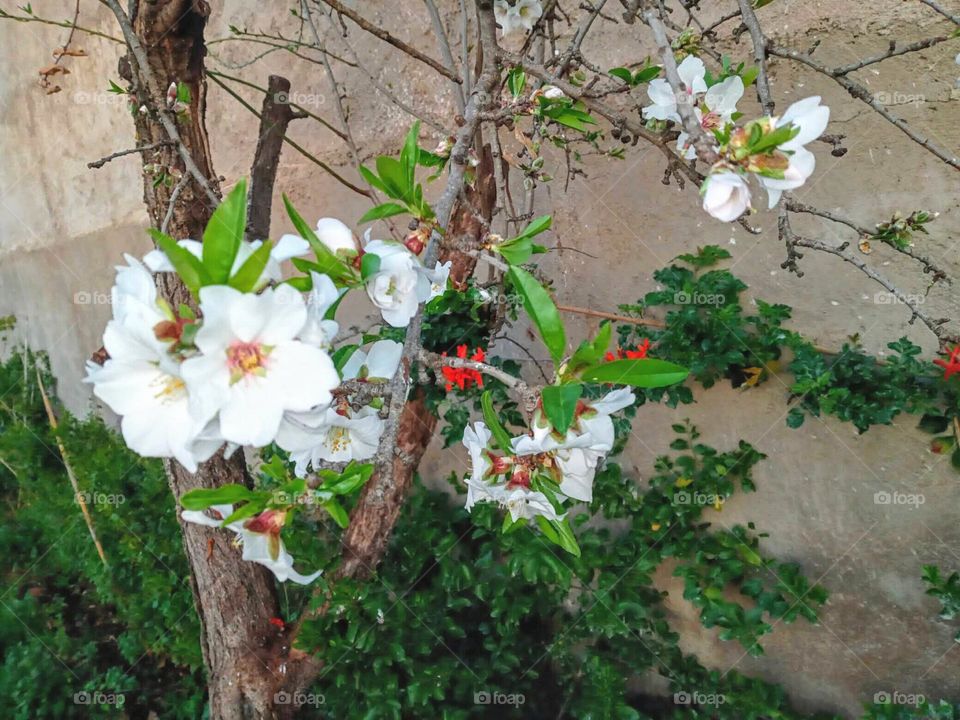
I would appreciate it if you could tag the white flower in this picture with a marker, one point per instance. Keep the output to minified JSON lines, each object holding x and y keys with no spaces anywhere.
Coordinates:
{"x":379,"y":364}
{"x":811,"y":118}
{"x":319,"y":331}
{"x":692,"y":73}
{"x":265,"y":548}
{"x":521,"y":16}
{"x":721,"y":103}
{"x":141,"y":381}
{"x":336,"y":236}
{"x":528,"y":12}
{"x":289,"y":246}
{"x":552,"y":92}
{"x":726,"y":195}
{"x":134,"y":284}
{"x":251,"y":367}
{"x":476,"y":440}
{"x":577,"y":468}
{"x":328,"y":435}
{"x":439,"y":278}
{"x":400,"y":285}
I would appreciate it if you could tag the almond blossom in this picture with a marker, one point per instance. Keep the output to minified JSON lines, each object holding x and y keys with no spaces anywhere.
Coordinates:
{"x":330,"y":435}
{"x":259,"y":537}
{"x":522,"y":16}
{"x":692,"y":73}
{"x":810,"y":118}
{"x":142,"y":380}
{"x":720,"y":102}
{"x":379,"y":364}
{"x":399,"y":285}
{"x":251,"y":367}
{"x":318,"y":330}
{"x":726,"y":195}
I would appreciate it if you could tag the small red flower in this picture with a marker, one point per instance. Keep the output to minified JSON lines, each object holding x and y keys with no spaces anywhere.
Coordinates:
{"x":951,"y":365}
{"x":463,"y":377}
{"x":277,"y":622}
{"x":641,"y":351}
{"x":638,"y":354}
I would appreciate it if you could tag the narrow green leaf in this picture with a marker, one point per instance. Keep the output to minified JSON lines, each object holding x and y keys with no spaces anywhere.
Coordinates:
{"x":224,"y":233}
{"x":394,"y":178}
{"x":188,"y":267}
{"x":337,"y":512}
{"x":409,"y":156}
{"x":542,"y":311}
{"x":245,"y":511}
{"x":327,"y":262}
{"x":245,"y":279}
{"x":372,"y":178}
{"x":643,"y":373}
{"x":501,"y":436}
{"x":591,"y":352}
{"x":202,"y":498}
{"x":516,"y":252}
{"x":384,"y":210}
{"x":560,"y":404}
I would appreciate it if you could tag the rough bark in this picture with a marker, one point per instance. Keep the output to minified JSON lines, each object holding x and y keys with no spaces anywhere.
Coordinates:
{"x":274,"y":119}
{"x":235,"y":600}
{"x":376,"y":513}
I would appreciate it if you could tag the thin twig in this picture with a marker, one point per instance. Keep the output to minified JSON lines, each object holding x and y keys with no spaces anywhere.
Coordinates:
{"x":143,"y":148}
{"x":388,"y":38}
{"x":444,"y":44}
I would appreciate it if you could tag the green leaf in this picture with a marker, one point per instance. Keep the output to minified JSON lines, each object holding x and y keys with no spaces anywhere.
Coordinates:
{"x":560,"y":533}
{"x":188,"y":267}
{"x":591,"y":352}
{"x":327,"y":262}
{"x":342,"y":354}
{"x":372,"y":178}
{"x":394,"y":178}
{"x":795,"y":418}
{"x":410,"y":154}
{"x":560,"y":404}
{"x":516,"y":252}
{"x":224,"y":233}
{"x":646,"y":74}
{"x":542,"y":311}
{"x":622,"y":73}
{"x":517,"y":81}
{"x":369,"y":265}
{"x":337,"y":512}
{"x":245,"y":279}
{"x":536,"y":226}
{"x":501,"y":436}
{"x":385,"y":210}
{"x":202,"y":498}
{"x":955,"y":459}
{"x":643,"y":373}
{"x":245,"y":511}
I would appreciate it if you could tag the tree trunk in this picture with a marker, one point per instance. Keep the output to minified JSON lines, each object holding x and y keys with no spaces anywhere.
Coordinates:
{"x":235,"y":599}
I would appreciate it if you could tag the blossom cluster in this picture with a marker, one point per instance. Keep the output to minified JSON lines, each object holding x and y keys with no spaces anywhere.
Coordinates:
{"x":463,"y":377}
{"x":540,"y":470}
{"x":772,"y":149}
{"x":253,"y":367}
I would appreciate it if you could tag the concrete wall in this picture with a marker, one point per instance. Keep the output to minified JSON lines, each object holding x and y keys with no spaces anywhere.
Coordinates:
{"x":62,"y":226}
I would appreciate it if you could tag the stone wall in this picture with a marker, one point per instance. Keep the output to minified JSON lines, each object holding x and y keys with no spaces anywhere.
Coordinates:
{"x":63,"y":225}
